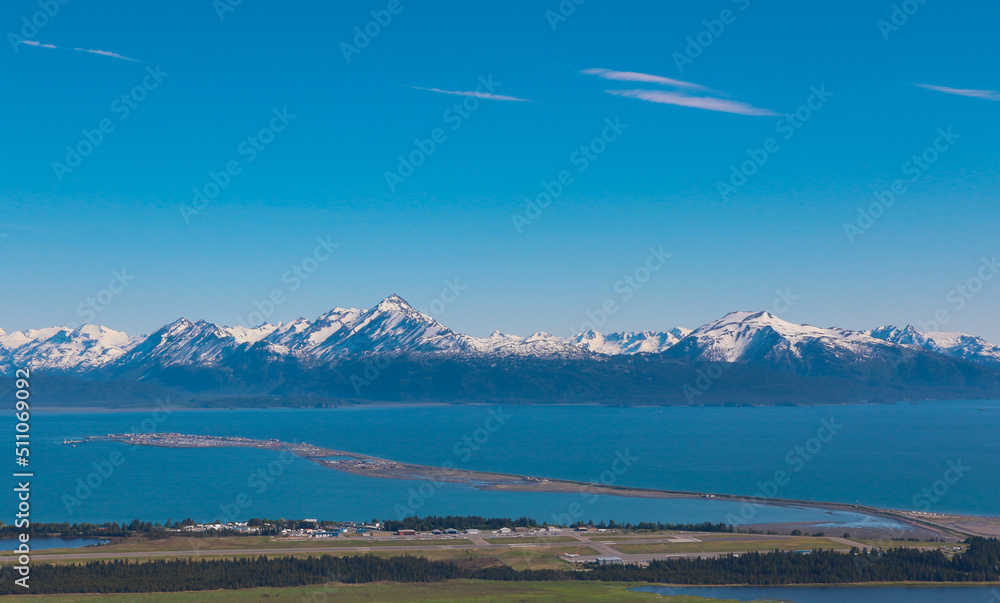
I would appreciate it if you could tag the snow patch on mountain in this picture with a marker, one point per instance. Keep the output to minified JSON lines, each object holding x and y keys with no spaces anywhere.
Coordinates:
{"x":394,"y":327}
{"x":642,"y":342}
{"x":955,"y":345}
{"x":755,"y":336}
{"x":63,"y":349}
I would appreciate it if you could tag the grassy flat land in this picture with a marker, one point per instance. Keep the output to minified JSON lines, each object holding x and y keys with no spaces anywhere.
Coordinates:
{"x":533,"y":558}
{"x":540,"y":557}
{"x":519,"y":559}
{"x":722,"y":545}
{"x":530,"y":539}
{"x":456,"y":590}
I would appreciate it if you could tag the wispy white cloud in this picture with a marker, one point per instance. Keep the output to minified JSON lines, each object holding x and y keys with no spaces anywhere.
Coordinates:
{"x":633,"y":76}
{"x":683,"y":96}
{"x":475,"y":93}
{"x":108,"y":54}
{"x":709,"y":103}
{"x":992,"y":95}
{"x":37,"y":44}
{"x":103,"y":53}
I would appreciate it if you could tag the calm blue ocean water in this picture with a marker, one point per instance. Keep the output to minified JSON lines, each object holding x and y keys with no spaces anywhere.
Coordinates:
{"x":881,"y":455}
{"x":39,"y":544}
{"x":835,"y":594}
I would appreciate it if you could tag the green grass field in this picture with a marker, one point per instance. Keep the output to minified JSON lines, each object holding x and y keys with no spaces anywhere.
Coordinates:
{"x":539,"y":557}
{"x":519,"y":559}
{"x":723,"y":545}
{"x":529,"y":539}
{"x":457,"y":590}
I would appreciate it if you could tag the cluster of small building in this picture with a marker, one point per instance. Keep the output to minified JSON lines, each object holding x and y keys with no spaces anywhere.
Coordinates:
{"x":232,"y":526}
{"x":179,"y":440}
{"x":311,"y":528}
{"x":360,"y":463}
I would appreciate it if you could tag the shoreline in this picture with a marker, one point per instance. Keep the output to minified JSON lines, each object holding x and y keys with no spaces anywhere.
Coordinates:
{"x":390,"y":405}
{"x":940,"y":525}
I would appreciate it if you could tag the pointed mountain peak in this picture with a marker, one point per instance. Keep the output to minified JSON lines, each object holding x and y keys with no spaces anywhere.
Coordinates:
{"x":395,"y":304}
{"x":394,"y":301}
{"x":181,"y":324}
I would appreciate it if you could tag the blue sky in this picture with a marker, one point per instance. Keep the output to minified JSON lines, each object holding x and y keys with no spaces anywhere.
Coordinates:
{"x":552,"y":85}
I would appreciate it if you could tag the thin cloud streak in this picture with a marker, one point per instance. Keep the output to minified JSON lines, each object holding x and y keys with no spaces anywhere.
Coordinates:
{"x":698,"y":102}
{"x":37,"y":44}
{"x":484,"y":95}
{"x":983,"y":94}
{"x":634,"y":76}
{"x":103,"y":53}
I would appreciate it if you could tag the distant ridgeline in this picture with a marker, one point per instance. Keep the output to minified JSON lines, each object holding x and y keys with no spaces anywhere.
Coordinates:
{"x":979,"y":564}
{"x":394,"y":353}
{"x":620,"y":380}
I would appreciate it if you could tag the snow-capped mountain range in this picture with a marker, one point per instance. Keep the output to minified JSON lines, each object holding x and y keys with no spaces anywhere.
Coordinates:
{"x":394,"y":327}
